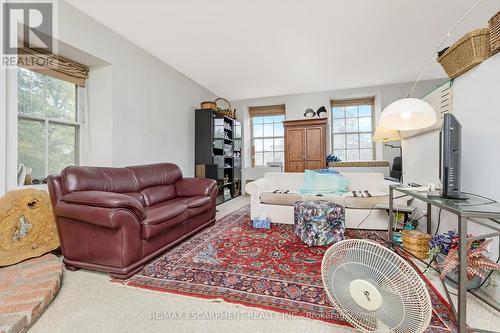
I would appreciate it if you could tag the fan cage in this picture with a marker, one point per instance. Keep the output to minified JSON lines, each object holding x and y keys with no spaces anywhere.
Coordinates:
{"x":400,"y":284}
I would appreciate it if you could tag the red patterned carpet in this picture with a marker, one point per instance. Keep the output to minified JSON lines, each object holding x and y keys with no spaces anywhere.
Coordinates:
{"x":265,"y":268}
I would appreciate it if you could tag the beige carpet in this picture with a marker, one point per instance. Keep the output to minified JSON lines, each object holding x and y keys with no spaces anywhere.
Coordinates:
{"x":88,"y":302}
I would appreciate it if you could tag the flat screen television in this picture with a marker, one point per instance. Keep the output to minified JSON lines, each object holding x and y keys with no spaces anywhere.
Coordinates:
{"x":450,"y":156}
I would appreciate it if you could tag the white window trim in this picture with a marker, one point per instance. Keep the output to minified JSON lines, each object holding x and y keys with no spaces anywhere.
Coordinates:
{"x":374,"y":121}
{"x":252,"y":138}
{"x":81,"y":125}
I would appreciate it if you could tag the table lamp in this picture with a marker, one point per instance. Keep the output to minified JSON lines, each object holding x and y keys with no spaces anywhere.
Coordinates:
{"x":385,"y":135}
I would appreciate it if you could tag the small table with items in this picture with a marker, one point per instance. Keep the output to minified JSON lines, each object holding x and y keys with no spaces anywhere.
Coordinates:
{"x":476,"y":207}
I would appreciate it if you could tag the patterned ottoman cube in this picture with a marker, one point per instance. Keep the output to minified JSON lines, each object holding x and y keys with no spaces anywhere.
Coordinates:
{"x":319,"y":222}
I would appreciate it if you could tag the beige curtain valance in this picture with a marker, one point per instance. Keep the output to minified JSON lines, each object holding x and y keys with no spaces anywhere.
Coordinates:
{"x":353,"y":102}
{"x":52,"y":65}
{"x":271,"y":110}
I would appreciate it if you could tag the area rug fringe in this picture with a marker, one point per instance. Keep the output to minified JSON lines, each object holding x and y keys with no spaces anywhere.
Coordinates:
{"x":219,"y":299}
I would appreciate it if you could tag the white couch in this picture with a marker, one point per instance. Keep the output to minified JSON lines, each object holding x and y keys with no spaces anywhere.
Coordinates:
{"x":375,"y":183}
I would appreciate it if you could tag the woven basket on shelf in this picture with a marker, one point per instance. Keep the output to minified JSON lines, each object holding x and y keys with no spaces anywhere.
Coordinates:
{"x":228,"y":111}
{"x":208,"y":105}
{"x":213,"y":105}
{"x":495,"y":33}
{"x":467,"y":52}
{"x":416,"y":242}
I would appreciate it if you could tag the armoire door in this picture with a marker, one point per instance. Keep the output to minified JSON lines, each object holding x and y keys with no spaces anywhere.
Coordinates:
{"x":314,"y":147}
{"x":305,"y":144}
{"x":294,"y":149}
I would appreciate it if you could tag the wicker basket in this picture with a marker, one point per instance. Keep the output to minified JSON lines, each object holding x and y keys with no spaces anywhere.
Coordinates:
{"x":208,"y":105}
{"x":213,"y":105}
{"x":227,"y":112}
{"x":495,"y":33}
{"x":416,"y":242}
{"x":467,"y":52}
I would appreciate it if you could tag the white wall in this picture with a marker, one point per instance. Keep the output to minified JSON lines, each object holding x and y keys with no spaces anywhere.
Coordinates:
{"x":152,"y":103}
{"x":476,"y":106}
{"x":139,"y":109}
{"x":99,"y":117}
{"x":296,"y":105}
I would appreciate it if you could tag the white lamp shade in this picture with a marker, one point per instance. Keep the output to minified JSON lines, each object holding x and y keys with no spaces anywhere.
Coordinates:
{"x":408,"y":114}
{"x":383,"y":134}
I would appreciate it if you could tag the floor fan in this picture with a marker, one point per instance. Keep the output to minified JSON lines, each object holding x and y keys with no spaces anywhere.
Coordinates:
{"x":375,"y":289}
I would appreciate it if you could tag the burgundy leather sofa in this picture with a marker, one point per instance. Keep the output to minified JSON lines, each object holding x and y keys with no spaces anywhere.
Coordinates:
{"x":116,"y":219}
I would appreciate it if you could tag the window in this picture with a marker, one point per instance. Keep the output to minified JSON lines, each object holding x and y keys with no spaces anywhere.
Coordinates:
{"x":48,"y":123}
{"x":267,"y":134}
{"x":352,"y":129}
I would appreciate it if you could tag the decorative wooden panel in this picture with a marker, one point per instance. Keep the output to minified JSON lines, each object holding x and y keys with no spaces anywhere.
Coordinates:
{"x":295,"y":144}
{"x":314,"y":143}
{"x":27,"y":226}
{"x":295,"y":167}
{"x":305,"y":144}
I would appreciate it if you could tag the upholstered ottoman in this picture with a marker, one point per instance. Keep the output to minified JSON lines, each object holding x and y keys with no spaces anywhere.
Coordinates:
{"x":319,"y":222}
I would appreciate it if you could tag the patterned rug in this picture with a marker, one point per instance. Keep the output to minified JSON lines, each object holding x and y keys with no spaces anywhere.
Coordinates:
{"x":265,"y":268}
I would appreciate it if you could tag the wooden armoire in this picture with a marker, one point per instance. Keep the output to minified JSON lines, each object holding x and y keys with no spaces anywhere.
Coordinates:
{"x":305,"y":144}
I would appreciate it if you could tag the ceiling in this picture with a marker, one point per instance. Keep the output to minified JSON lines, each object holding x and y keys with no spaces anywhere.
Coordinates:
{"x":257,"y":48}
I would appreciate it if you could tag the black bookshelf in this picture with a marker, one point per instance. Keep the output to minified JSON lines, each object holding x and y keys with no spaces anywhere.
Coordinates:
{"x":218,"y":148}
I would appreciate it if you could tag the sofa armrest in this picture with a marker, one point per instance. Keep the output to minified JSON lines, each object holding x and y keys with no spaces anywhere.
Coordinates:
{"x":190,"y":187}
{"x":256,"y":187}
{"x":106,"y":200}
{"x":113,"y":218}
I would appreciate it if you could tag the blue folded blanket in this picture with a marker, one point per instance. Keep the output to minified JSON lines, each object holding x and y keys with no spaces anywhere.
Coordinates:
{"x":326,"y":171}
{"x":323,"y":183}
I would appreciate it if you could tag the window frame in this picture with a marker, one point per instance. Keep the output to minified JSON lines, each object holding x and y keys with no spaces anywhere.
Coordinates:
{"x":78,"y":124}
{"x":354,"y":102}
{"x":252,"y":138}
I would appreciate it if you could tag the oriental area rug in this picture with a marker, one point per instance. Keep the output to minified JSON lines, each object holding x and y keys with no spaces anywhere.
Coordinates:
{"x":265,"y":268}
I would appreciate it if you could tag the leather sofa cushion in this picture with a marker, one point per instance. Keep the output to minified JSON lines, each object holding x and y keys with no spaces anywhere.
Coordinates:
{"x":196,"y":205}
{"x":157,"y":194}
{"x":118,"y":180}
{"x":195,"y":211}
{"x":162,"y":212}
{"x":197,"y":201}
{"x":162,"y":216}
{"x":151,"y":230}
{"x":190,"y":187}
{"x":156,"y":174}
{"x":137,"y":196}
{"x":150,"y":184}
{"x":282,"y":199}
